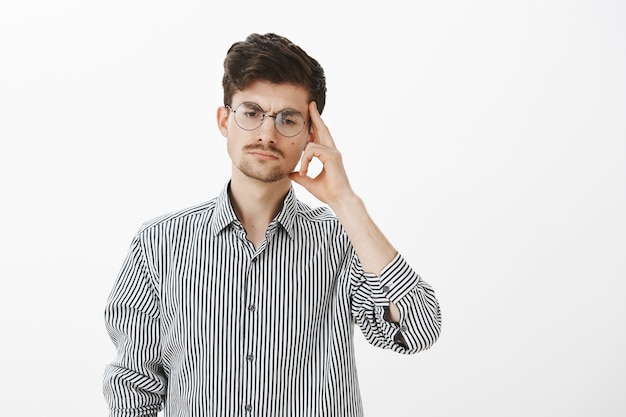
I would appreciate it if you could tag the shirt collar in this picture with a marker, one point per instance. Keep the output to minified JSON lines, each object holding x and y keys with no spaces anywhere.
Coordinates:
{"x":224,"y":215}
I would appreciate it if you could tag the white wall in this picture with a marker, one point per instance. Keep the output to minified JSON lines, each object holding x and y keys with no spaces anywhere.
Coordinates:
{"x":505,"y":186}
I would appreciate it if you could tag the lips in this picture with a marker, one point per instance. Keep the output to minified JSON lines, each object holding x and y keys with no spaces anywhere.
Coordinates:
{"x":264,"y":153}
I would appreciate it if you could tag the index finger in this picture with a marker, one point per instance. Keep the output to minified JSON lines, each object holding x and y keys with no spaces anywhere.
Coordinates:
{"x":319,"y":128}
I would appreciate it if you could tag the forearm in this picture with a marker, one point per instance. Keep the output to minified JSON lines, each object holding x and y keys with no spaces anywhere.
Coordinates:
{"x":370,"y":244}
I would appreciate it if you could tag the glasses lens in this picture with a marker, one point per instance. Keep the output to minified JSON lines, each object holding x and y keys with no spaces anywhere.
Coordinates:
{"x":249,"y":116}
{"x":289,"y":122}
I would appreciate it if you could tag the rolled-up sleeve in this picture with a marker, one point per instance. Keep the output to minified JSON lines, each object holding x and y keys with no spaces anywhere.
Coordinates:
{"x":134,"y":383}
{"x":420,"y":316}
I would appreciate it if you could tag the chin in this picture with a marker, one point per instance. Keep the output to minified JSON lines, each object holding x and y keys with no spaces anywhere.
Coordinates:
{"x":266,"y":177}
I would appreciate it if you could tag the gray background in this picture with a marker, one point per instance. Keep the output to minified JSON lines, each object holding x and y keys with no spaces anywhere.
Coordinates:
{"x":487,"y":139}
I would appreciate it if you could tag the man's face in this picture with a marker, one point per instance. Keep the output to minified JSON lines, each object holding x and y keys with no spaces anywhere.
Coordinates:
{"x":263,"y":153}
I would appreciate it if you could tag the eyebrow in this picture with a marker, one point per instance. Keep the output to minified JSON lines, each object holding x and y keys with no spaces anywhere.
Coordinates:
{"x":291,"y":111}
{"x":288,"y":110}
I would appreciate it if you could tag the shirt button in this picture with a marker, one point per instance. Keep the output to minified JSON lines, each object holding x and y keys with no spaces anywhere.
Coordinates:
{"x":251,"y":307}
{"x":250,"y":357}
{"x":385,"y":289}
{"x":404,"y":329}
{"x":248,"y":407}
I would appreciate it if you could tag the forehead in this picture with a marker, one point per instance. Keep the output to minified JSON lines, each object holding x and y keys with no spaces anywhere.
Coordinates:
{"x":274,"y":97}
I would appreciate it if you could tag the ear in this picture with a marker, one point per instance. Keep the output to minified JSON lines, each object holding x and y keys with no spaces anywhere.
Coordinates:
{"x":222,"y":120}
{"x":311,"y":137}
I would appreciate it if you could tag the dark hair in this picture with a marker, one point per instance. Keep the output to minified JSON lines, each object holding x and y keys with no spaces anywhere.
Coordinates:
{"x":272,"y":58}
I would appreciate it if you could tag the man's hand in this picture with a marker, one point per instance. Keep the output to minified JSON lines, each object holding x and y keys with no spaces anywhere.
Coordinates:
{"x":331,"y":184}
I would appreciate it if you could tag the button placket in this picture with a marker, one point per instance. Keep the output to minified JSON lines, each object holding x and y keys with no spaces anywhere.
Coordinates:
{"x":251,"y":328}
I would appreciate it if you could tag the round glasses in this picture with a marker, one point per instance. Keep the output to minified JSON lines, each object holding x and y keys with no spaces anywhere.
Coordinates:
{"x":249,"y":116}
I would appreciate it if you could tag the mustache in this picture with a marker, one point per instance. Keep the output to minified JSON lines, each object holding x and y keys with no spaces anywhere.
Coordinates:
{"x":259,"y":147}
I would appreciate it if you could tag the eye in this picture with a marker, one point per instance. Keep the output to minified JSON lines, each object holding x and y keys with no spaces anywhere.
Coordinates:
{"x":287,"y":121}
{"x":250,"y":110}
{"x":291,"y":117}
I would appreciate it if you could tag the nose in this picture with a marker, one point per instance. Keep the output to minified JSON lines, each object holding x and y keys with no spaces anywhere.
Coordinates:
{"x":268,"y":129}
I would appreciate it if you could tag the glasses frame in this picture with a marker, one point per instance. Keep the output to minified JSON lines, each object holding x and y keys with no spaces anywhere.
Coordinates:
{"x":274,"y":116}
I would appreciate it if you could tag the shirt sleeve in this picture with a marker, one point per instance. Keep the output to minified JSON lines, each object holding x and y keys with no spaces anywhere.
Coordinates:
{"x":420,"y":316}
{"x":134,"y":383}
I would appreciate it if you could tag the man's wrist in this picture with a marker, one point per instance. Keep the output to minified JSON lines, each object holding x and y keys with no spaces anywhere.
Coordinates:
{"x":347,"y":204}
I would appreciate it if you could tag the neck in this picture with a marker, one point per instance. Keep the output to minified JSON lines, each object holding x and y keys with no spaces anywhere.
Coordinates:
{"x":256,"y":203}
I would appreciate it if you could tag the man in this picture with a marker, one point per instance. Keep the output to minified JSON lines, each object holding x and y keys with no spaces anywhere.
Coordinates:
{"x":245,"y":305}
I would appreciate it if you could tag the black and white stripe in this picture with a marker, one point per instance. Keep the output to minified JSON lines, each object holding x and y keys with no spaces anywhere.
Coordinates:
{"x":209,"y":326}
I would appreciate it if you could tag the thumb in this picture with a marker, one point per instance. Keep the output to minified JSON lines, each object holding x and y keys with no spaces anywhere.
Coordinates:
{"x":303,"y":180}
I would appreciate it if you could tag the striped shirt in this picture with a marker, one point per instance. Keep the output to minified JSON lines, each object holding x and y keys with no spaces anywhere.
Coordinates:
{"x":207,"y":325}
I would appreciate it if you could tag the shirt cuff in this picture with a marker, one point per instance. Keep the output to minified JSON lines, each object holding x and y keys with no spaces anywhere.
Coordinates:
{"x":396,"y":280}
